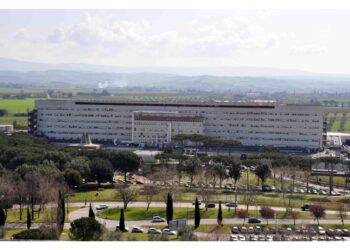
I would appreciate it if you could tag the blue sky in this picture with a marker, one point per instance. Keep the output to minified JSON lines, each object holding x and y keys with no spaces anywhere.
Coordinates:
{"x":311,"y":40}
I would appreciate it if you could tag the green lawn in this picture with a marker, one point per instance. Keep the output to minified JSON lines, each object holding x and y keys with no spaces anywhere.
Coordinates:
{"x":140,"y":213}
{"x":17,"y":105}
{"x":13,"y":215}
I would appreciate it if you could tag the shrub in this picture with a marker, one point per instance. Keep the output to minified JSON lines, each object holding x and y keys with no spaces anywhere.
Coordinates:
{"x":33,"y":234}
{"x":86,"y":229}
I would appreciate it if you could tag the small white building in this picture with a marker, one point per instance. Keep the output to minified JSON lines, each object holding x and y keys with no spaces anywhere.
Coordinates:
{"x":8,"y":129}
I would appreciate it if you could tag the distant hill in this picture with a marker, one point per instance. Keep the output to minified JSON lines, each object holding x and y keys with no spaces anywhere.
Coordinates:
{"x":211,"y":79}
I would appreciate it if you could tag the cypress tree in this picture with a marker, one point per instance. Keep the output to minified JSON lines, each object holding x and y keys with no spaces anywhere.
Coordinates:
{"x":169,"y":208}
{"x":197,"y":214}
{"x":91,"y":212}
{"x":122,"y":221}
{"x":29,"y":219}
{"x":2,"y":217}
{"x":60,"y":214}
{"x":220,"y":214}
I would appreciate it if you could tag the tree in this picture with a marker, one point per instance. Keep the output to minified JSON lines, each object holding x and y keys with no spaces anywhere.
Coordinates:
{"x":235,"y":173}
{"x":125,"y":161}
{"x":29,"y":219}
{"x":2,"y":217}
{"x":169,"y":208}
{"x":219,"y":170}
{"x":197,"y":214}
{"x":242,"y":214}
{"x":85,"y":229}
{"x":330,"y":163}
{"x":267,"y":213}
{"x":187,"y":234}
{"x":127,"y":194}
{"x":295,"y":215}
{"x":72,"y":178}
{"x":190,"y":167}
{"x":91,"y":212}
{"x":122,"y":221}
{"x":101,"y":170}
{"x":150,"y":191}
{"x":81,"y":164}
{"x":219,"y":219}
{"x":60,"y":214}
{"x":318,"y":212}
{"x":263,"y":171}
{"x":342,"y":213}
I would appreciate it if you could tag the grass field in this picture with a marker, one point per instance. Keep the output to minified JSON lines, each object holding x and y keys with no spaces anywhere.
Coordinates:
{"x":140,"y":213}
{"x":17,"y":105}
{"x":13,"y":215}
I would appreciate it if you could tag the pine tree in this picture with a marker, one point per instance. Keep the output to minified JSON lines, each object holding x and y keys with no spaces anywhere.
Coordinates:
{"x":60,"y":214}
{"x":220,"y":214}
{"x":169,"y":208}
{"x":2,"y":217}
{"x":197,"y":214}
{"x":122,"y":221}
{"x":91,"y":212}
{"x":29,"y":219}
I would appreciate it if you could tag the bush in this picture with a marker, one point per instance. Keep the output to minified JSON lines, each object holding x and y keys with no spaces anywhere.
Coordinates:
{"x":86,"y":229}
{"x":33,"y":234}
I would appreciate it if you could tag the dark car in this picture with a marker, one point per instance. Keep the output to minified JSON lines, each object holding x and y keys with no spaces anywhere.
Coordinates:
{"x":210,"y":205}
{"x":231,"y":204}
{"x":305,"y":207}
{"x":254,"y":221}
{"x":266,"y":188}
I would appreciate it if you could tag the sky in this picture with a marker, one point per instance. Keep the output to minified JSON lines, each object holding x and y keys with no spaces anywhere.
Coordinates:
{"x":310,"y":40}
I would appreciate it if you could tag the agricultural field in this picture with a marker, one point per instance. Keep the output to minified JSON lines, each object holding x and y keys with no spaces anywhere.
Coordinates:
{"x":19,"y":107}
{"x":338,"y":121}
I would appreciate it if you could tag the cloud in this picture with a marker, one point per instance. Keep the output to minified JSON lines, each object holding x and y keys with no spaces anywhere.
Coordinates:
{"x":308,"y":50}
{"x":102,"y":30}
{"x":57,"y":36}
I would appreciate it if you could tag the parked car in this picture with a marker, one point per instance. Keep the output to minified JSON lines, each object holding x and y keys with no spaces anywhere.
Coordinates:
{"x":235,"y":230}
{"x":253,"y":238}
{"x":194,"y":202}
{"x":210,"y":205}
{"x":168,"y":231}
{"x":345,"y":233}
{"x":302,"y":191}
{"x":266,"y":188}
{"x":231,"y":204}
{"x":253,"y":220}
{"x":269,"y":238}
{"x":101,"y":206}
{"x":154,"y":231}
{"x":158,"y":219}
{"x":305,"y":207}
{"x":251,"y":230}
{"x":321,"y":231}
{"x":233,"y":237}
{"x":243,"y":230}
{"x":241,"y":237}
{"x":137,"y":230}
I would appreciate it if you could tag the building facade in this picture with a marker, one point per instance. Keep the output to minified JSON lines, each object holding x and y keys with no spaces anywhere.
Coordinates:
{"x":252,"y":123}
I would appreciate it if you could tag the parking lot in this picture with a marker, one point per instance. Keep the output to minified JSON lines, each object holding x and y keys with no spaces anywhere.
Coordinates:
{"x":310,"y":233}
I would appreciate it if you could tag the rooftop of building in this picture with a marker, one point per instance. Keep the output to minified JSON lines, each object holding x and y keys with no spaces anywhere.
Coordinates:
{"x":177,"y":102}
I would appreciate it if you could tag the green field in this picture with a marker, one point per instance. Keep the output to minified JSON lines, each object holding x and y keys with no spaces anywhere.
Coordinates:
{"x":13,"y":215}
{"x":17,"y":105}
{"x":140,"y":213}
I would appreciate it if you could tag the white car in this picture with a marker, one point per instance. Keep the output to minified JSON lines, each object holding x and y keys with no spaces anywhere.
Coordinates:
{"x":168,"y":231}
{"x":241,"y":238}
{"x":154,"y":231}
{"x":137,"y":230}
{"x":269,"y":238}
{"x":158,"y":219}
{"x":321,"y":231}
{"x":101,"y":206}
{"x":233,"y":237}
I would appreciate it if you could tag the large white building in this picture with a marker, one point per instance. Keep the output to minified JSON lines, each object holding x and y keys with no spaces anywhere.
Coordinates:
{"x":153,"y":122}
